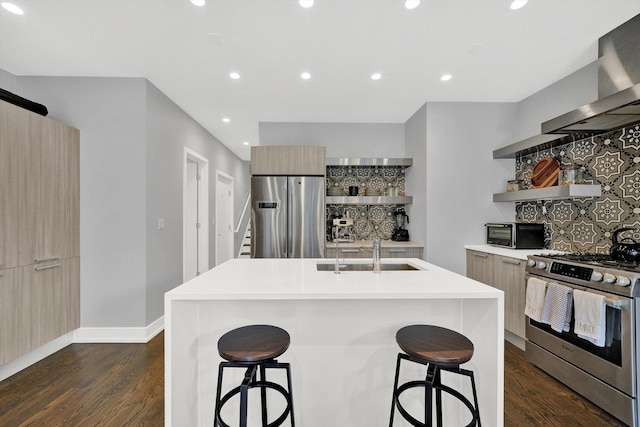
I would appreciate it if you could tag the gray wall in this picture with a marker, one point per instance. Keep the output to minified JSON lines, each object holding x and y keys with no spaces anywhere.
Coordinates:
{"x":462,"y":176}
{"x":131,"y":152}
{"x":415,"y":130}
{"x":571,"y":92}
{"x":341,"y":139}
{"x":8,"y":82}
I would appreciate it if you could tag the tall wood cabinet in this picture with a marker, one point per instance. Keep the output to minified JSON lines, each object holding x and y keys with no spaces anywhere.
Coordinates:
{"x":506,"y":274}
{"x":39,"y":230}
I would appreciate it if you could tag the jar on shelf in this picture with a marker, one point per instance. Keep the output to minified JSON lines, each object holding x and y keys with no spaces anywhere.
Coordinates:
{"x":570,"y":174}
{"x":514,"y":185}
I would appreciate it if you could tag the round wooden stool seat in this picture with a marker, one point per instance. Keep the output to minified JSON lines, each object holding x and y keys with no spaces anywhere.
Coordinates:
{"x":253,"y":344}
{"x":435,"y":344}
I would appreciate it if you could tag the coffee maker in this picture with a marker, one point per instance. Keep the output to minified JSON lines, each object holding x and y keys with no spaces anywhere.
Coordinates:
{"x":400,"y":234}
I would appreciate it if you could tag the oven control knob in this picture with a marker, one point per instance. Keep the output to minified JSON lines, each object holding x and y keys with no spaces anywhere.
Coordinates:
{"x":623,"y":281}
{"x":596,"y":276}
{"x":531,"y":263}
{"x":541,"y":265}
{"x":609,"y":278}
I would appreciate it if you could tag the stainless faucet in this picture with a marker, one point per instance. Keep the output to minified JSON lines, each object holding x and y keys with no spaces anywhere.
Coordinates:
{"x":337,"y":235}
{"x":376,"y":255}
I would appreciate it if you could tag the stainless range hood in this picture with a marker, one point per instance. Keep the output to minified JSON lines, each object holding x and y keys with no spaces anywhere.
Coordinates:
{"x":618,"y":103}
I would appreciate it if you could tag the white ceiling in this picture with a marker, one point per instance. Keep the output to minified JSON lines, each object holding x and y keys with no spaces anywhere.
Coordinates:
{"x":493,"y":53}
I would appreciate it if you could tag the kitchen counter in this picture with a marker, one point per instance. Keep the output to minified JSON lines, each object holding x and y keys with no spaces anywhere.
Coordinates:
{"x":342,"y":328}
{"x":508,"y":252}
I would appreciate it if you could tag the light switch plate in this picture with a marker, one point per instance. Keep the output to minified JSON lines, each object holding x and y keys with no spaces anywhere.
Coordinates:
{"x":160,"y":223}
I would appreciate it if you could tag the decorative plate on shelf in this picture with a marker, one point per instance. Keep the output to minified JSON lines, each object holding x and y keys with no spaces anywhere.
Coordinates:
{"x":545,"y":173}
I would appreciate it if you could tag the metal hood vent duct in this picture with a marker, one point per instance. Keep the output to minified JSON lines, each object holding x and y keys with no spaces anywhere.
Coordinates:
{"x":618,"y":103}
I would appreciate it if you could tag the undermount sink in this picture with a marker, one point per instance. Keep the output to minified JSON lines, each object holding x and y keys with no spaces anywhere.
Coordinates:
{"x":366,"y":267}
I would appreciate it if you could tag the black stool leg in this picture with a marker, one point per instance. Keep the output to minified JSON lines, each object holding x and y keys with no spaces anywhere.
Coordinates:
{"x":438,"y":384}
{"x":218,"y":394}
{"x":475,"y":395}
{"x":263,"y":395}
{"x":430,"y":381}
{"x":395,"y":387}
{"x":293,"y":420}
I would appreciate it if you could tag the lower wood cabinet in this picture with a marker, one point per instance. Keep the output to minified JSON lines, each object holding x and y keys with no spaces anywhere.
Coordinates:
{"x":367,"y":252}
{"x":49,"y":302}
{"x":506,"y":274}
{"x":9,"y":292}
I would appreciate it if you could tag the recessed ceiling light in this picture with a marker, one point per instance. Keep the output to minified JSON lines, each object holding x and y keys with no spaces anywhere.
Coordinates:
{"x":376,"y":76}
{"x":517,"y":4}
{"x":411,"y":4}
{"x":234,"y":76}
{"x":226,"y":119}
{"x":446,"y":77}
{"x":245,"y":143}
{"x":305,"y":76}
{"x":306,"y":3}
{"x":13,"y":8}
{"x":198,"y":2}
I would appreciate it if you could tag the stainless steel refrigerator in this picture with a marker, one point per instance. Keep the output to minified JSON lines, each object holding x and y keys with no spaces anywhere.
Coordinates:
{"x":287,"y":217}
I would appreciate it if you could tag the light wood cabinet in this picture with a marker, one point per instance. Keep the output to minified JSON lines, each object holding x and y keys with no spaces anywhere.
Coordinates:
{"x":39,"y":230}
{"x":49,"y":302}
{"x":506,"y":274}
{"x":47,"y":178}
{"x":13,"y":129}
{"x":480,"y":266}
{"x":288,"y":160}
{"x":8,"y":314}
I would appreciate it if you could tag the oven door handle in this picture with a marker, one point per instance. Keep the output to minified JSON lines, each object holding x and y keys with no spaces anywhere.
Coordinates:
{"x":616,"y":302}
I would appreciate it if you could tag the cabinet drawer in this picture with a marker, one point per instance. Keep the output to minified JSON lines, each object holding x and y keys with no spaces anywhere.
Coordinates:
{"x":408,"y":252}
{"x":330,"y":252}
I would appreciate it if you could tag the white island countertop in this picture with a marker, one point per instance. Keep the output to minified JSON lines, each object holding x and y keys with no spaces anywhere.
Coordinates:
{"x":342,"y":328}
{"x":300,"y":279}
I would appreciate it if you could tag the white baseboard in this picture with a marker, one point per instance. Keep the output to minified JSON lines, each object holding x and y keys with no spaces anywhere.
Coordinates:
{"x":83,"y":335}
{"x":34,"y":356}
{"x":119,"y":335}
{"x":514,"y":339}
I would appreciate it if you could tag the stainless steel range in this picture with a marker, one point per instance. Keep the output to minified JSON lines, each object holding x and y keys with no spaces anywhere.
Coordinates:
{"x":607,"y":375}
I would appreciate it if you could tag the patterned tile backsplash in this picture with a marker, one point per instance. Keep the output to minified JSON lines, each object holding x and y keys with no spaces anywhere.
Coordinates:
{"x":586,"y":225}
{"x":369,"y":221}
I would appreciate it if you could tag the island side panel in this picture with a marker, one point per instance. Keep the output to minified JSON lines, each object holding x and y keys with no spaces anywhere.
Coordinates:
{"x":483,"y":324}
{"x":181,"y":344}
{"x":343,"y":354}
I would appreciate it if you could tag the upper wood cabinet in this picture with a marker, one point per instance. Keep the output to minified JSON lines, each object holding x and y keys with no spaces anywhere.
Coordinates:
{"x":288,"y":160}
{"x":13,"y":128}
{"x":48,"y":183}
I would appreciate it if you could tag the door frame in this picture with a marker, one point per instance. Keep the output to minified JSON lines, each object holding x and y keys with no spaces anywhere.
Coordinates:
{"x":203,"y":210}
{"x":229,"y":180}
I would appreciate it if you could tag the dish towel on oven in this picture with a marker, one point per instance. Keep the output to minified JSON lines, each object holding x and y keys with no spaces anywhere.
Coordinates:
{"x":557,"y":307}
{"x":534,"y":299}
{"x":590,"y":316}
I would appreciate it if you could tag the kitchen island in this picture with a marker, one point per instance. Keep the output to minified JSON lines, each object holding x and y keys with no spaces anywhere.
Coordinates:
{"x":342,"y":327}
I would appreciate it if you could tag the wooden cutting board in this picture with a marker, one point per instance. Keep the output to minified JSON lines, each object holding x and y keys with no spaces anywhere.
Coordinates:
{"x":545,"y":173}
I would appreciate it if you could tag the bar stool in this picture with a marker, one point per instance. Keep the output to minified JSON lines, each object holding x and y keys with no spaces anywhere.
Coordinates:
{"x":439,"y":349}
{"x":254,"y":348}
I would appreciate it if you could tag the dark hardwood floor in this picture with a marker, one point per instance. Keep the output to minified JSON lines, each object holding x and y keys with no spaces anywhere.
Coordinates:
{"x":122,"y":385}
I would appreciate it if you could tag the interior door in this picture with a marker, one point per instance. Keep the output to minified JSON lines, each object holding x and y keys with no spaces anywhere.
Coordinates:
{"x":224,"y":217}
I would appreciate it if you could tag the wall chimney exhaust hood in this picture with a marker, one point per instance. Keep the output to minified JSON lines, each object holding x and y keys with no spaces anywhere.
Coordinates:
{"x":618,"y":103}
